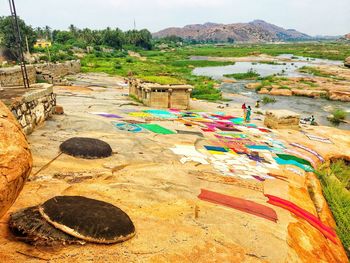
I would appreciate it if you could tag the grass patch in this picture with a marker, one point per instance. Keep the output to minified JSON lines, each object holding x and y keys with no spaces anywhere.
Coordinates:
{"x":334,"y":180}
{"x":271,"y":63}
{"x":164,"y":80}
{"x":338,"y":115}
{"x":284,"y":87}
{"x":134,"y":98}
{"x":309,"y":83}
{"x":250,"y":74}
{"x":267,"y":100}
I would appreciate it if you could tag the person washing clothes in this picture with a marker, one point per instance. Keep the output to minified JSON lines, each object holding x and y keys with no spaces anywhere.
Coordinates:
{"x":249,"y":112}
{"x":257,"y":104}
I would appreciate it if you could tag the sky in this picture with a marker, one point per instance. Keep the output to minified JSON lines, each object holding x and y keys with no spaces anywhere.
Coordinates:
{"x":313,"y":17}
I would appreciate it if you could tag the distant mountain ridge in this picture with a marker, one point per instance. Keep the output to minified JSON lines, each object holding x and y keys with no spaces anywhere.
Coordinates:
{"x":255,"y":31}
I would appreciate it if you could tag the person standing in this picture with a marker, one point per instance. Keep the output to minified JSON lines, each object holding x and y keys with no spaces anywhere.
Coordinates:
{"x":257,"y":104}
{"x":249,"y":112}
{"x":244,"y":108}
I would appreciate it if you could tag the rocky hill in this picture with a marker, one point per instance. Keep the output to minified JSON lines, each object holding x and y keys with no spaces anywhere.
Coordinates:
{"x":255,"y":31}
{"x":345,"y":38}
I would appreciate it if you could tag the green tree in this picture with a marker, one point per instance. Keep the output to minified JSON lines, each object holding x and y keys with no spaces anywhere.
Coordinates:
{"x":7,"y":35}
{"x":113,"y":38}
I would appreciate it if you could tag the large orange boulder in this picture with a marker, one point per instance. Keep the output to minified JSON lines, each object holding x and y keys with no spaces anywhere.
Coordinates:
{"x":15,"y":159}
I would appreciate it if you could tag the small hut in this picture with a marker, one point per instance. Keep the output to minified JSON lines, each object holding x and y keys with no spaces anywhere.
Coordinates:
{"x":161,"y":96}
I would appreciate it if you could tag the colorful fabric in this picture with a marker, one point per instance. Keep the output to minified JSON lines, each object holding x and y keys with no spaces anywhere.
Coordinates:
{"x":237,"y":120}
{"x":292,"y":157}
{"x":105,"y":114}
{"x":308,"y":150}
{"x":239,"y":204}
{"x":317,"y":138}
{"x":299,"y":154}
{"x":156,"y":128}
{"x":313,"y":220}
{"x":306,"y":168}
{"x":233,"y":135}
{"x":127,"y":127}
{"x":259,"y":147}
{"x":163,"y":114}
{"x":215,"y":148}
{"x":140,"y":114}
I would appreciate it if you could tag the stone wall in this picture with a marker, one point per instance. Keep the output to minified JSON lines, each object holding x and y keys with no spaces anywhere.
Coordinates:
{"x":34,"y":107}
{"x":13,"y":76}
{"x":52,"y":73}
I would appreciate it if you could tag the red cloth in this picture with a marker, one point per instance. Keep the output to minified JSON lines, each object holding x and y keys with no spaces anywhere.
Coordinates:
{"x":313,"y":220}
{"x":239,"y":204}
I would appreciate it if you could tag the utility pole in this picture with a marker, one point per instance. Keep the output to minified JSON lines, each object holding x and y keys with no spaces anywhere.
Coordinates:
{"x":17,"y":33}
{"x":134,"y":24}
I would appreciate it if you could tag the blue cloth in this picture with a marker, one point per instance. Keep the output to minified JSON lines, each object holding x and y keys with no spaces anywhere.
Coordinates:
{"x":281,"y":161}
{"x":259,"y":147}
{"x":215,"y":148}
{"x":237,"y":120}
{"x":127,"y":127}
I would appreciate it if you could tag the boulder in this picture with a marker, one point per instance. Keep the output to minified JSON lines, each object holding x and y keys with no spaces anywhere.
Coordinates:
{"x":59,"y":110}
{"x":347,"y":62}
{"x":15,"y":159}
{"x":253,"y":85}
{"x":282,"y":119}
{"x":280,"y":92}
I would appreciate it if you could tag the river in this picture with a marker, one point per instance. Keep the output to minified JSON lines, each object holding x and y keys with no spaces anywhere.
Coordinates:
{"x":305,"y":106}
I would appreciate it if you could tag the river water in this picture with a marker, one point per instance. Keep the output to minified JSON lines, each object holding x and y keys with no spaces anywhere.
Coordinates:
{"x":305,"y":106}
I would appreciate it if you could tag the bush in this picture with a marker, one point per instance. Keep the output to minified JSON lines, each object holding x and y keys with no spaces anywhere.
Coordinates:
{"x":129,"y":60}
{"x":338,"y":115}
{"x":334,"y":180}
{"x":117,"y":65}
{"x":206,"y":92}
{"x":267,"y":99}
{"x":250,"y":74}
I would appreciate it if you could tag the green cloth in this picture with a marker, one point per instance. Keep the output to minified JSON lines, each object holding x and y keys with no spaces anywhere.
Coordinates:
{"x":155,"y":128}
{"x":292,"y":157}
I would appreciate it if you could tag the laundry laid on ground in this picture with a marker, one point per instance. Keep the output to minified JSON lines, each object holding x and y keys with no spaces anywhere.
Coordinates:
{"x":107,"y":115}
{"x":239,"y":204}
{"x":308,"y":150}
{"x":313,"y":220}
{"x":189,"y":153}
{"x":156,"y":128}
{"x":317,"y":138}
{"x":127,"y":127}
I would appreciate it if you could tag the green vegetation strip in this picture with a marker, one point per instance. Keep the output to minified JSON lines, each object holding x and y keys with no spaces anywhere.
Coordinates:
{"x":250,"y":74}
{"x":335,"y":182}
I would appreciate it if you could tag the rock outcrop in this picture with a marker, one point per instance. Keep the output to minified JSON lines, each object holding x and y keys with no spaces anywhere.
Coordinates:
{"x":347,"y":62}
{"x":15,"y":159}
{"x":282,"y":119}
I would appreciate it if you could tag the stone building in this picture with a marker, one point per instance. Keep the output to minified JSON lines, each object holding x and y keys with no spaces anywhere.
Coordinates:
{"x":161,"y":96}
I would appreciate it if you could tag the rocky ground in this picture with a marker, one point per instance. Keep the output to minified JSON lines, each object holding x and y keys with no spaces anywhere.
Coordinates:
{"x":334,"y":87}
{"x":159,"y":193}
